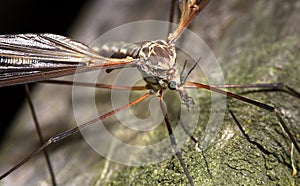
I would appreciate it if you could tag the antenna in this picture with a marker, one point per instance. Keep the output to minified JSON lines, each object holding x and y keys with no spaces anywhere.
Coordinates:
{"x":182,"y":78}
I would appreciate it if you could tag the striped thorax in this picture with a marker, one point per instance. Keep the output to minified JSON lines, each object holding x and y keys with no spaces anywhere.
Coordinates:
{"x":157,"y":60}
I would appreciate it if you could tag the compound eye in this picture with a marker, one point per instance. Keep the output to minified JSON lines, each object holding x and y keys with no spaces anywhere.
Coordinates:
{"x":172,"y":85}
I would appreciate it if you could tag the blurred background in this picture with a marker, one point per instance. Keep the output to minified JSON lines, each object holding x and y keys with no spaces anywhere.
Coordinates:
{"x":31,"y":16}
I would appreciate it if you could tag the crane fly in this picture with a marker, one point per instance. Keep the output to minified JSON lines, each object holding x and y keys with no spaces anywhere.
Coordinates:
{"x":47,"y":56}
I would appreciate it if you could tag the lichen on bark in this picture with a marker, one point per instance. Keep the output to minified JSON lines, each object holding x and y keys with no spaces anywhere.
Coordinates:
{"x":259,"y":44}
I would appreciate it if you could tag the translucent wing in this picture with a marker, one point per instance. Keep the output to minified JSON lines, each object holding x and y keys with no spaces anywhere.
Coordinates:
{"x":34,"y":57}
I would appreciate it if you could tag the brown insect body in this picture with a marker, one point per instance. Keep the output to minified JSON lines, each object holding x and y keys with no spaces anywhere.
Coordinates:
{"x":118,"y":50}
{"x":156,"y":59}
{"x":157,"y":62}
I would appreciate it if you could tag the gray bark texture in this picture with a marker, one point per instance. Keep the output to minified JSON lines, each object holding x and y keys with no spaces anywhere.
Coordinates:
{"x":253,"y":41}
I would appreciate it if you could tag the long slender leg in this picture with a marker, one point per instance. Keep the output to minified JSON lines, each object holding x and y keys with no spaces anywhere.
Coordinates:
{"x":262,"y":87}
{"x":97,"y":85}
{"x":69,"y":132}
{"x":172,"y":138}
{"x":250,"y":101}
{"x":40,"y":135}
